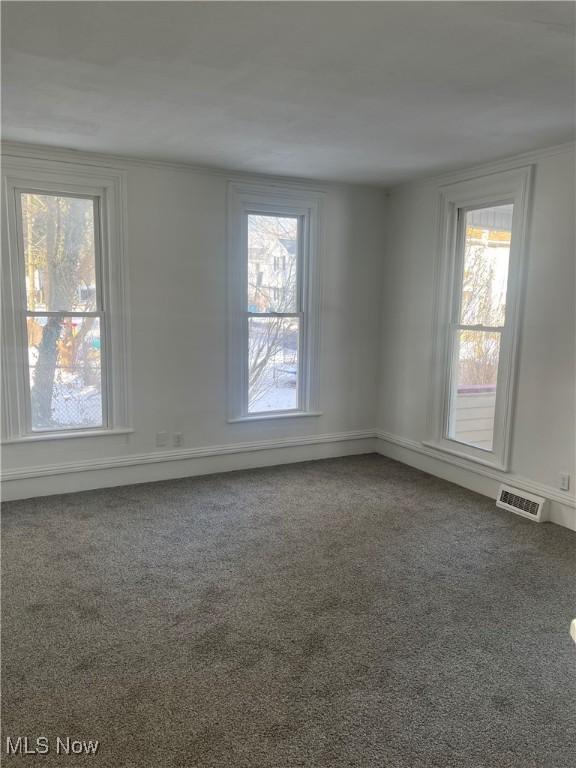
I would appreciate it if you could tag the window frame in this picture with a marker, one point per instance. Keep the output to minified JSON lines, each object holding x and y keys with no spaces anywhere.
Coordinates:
{"x":107,"y":189}
{"x":501,"y":188}
{"x":276,"y":200}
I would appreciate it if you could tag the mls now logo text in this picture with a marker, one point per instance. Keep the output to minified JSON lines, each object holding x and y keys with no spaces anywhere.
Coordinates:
{"x":42,"y":745}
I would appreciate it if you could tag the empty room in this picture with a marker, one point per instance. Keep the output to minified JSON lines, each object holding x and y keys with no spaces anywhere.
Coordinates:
{"x":288,"y":384}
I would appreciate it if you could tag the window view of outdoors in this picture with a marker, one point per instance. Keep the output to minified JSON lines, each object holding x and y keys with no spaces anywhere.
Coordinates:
{"x":488,"y":234}
{"x":64,"y":348}
{"x":273,"y":341}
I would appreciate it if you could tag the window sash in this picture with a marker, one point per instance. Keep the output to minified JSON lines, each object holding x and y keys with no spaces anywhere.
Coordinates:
{"x":302,"y":227}
{"x":97,"y":217}
{"x":452,"y":389}
{"x":104,"y":375}
{"x":454,"y":327}
{"x":25,"y":313}
{"x":283,"y":201}
{"x":300,"y":378}
{"x":459,"y":257}
{"x":299,"y":314}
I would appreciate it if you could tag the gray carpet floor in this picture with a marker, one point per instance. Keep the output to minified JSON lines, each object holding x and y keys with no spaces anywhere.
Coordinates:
{"x":348,"y":612}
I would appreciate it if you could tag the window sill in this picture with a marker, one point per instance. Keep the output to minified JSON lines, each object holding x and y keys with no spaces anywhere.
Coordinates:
{"x":441,"y":448}
{"x":42,"y":437}
{"x":273,"y":416}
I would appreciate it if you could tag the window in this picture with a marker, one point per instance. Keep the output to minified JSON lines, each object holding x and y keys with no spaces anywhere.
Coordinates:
{"x":273,"y":313}
{"x":484,"y":238}
{"x":280,"y":263}
{"x":482,"y":254}
{"x":65,"y":343}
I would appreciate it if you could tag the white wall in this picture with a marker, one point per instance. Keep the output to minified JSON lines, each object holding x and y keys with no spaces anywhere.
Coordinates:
{"x":545,"y":418}
{"x":176,"y":228}
{"x":377,"y":309}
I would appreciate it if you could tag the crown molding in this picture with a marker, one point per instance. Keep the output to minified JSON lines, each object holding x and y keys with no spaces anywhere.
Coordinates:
{"x":466,"y":173}
{"x":125,"y":162}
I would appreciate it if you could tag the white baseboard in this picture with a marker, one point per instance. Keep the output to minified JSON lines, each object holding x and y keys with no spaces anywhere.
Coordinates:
{"x":46,"y":480}
{"x":476,"y":477}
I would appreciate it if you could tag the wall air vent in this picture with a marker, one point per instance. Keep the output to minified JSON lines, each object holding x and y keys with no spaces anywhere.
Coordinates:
{"x":521,"y":503}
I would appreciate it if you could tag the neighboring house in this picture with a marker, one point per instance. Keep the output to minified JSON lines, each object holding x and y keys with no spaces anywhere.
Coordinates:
{"x":271,"y":270}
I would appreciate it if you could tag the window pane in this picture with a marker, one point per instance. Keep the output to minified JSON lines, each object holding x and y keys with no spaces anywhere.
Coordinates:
{"x":474,"y":398}
{"x":273,"y":364}
{"x":58,"y":234}
{"x":486,"y":254}
{"x":272,"y":263}
{"x":65,"y":372}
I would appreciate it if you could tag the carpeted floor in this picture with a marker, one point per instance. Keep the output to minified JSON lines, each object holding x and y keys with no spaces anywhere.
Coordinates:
{"x":348,"y":612}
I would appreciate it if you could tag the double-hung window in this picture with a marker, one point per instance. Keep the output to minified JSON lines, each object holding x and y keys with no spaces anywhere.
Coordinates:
{"x":480,"y":279}
{"x":273,"y":302}
{"x":64,"y":344}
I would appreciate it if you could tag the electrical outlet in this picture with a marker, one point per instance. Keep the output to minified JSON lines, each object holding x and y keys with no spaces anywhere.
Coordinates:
{"x":564,"y":481}
{"x":178,"y":439}
{"x":161,"y":439}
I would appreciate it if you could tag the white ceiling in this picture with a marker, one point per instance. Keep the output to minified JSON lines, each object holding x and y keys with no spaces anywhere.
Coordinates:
{"x":365,"y":92}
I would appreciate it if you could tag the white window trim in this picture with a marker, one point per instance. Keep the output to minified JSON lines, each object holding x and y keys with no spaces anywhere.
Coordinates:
{"x":275,"y":199}
{"x":108,"y":186}
{"x":511,"y":186}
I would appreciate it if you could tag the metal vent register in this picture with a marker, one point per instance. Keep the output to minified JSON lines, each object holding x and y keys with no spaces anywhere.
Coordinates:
{"x":521,"y":503}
